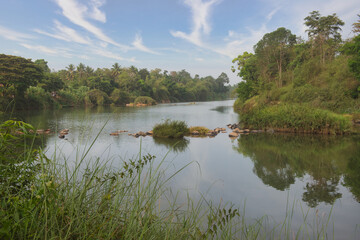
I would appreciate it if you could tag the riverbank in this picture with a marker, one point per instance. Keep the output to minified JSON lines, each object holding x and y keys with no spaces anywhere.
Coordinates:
{"x":294,"y":118}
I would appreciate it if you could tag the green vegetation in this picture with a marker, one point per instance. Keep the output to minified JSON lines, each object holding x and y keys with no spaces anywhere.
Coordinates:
{"x":297,"y":118}
{"x":144,"y":100}
{"x":171,"y":129}
{"x":298,"y":85}
{"x":82,"y":85}
{"x":46,"y":198}
{"x":200,"y":129}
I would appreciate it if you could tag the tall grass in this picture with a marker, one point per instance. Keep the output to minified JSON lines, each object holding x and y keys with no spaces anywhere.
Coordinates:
{"x":171,"y":129}
{"x":94,"y":200}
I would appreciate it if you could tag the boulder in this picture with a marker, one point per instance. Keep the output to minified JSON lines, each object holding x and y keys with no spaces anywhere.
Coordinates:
{"x":233,"y":134}
{"x":143,"y":134}
{"x":237,"y":130}
{"x":211,"y":133}
{"x":195,"y":133}
{"x":64,"y":132}
{"x":149,"y":133}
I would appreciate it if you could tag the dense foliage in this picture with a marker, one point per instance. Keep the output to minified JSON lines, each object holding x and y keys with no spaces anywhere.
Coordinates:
{"x":320,"y":73}
{"x":32,"y":85}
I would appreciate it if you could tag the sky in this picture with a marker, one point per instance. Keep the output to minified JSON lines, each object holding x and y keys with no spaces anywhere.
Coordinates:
{"x":200,"y":36}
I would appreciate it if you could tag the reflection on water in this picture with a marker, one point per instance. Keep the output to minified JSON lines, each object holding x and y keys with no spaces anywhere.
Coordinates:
{"x":280,"y":159}
{"x":175,"y":145}
{"x":222,"y":109}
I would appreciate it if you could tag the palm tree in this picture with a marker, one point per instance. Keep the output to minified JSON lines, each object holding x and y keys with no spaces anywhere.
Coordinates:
{"x":115,"y":70}
{"x":70,"y":72}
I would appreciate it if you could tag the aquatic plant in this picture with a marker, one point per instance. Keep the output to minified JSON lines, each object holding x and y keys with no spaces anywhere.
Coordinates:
{"x":171,"y":129}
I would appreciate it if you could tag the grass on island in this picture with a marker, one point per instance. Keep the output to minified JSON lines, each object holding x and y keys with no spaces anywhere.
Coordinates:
{"x":55,"y":198}
{"x":200,"y":129}
{"x":171,"y":129}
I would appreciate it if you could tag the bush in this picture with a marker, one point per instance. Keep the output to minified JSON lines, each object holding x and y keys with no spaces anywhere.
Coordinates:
{"x":171,"y":129}
{"x":144,"y":100}
{"x":73,"y":96}
{"x":97,"y":97}
{"x":37,"y":98}
{"x":119,"y":97}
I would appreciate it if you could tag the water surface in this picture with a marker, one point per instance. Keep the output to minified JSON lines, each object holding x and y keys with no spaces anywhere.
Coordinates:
{"x":264,"y":172}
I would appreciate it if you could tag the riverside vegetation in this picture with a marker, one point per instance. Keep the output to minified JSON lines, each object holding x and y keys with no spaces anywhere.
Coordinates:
{"x":48,"y":198}
{"x":25,"y":84}
{"x":296,"y":85}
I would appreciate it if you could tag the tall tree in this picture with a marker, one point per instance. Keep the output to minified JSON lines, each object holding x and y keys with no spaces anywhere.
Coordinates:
{"x":324,"y":31}
{"x":43,"y":65}
{"x":273,"y":48}
{"x":70,"y":72}
{"x":16,"y":75}
{"x":356,"y":26}
{"x":115,"y":70}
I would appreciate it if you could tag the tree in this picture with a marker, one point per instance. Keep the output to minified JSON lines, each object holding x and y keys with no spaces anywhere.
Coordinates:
{"x":356,"y":26}
{"x":273,"y":49}
{"x":115,"y":70}
{"x":52,"y":82}
{"x":70,"y":72}
{"x":16,"y":75}
{"x":221,"y":81}
{"x":352,"y":48}
{"x":43,"y":65}
{"x":247,"y":66}
{"x":324,"y":31}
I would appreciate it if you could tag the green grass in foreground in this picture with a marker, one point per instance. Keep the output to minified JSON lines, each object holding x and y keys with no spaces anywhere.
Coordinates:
{"x":85,"y":200}
{"x":296,"y":118}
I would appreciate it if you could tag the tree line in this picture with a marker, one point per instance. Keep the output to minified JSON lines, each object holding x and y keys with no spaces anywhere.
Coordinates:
{"x":31,"y":84}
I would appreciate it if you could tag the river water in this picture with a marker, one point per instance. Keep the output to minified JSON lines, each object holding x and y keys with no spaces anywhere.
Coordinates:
{"x":267,"y":174}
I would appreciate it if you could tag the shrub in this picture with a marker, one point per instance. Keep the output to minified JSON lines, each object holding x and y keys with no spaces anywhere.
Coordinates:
{"x":171,"y":129}
{"x":119,"y":97}
{"x":39,"y":99}
{"x":97,"y":97}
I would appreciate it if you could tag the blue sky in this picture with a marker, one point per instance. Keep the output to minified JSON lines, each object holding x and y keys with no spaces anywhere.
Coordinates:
{"x":201,"y":36}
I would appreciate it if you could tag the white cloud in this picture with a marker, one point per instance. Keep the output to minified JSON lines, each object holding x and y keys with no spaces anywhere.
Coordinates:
{"x":96,"y":13}
{"x":138,"y":44}
{"x":65,"y":33}
{"x":77,"y":14}
{"x":111,"y":55}
{"x":200,"y":17}
{"x":272,"y":13}
{"x":13,"y":35}
{"x":199,"y":59}
{"x":40,"y":48}
{"x":240,"y":43}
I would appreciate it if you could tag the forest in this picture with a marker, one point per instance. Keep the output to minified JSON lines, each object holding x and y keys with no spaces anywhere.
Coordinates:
{"x":298,"y":85}
{"x":27,"y":84}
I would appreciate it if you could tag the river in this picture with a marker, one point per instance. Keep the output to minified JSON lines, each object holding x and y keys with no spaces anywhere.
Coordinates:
{"x":267,"y":174}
